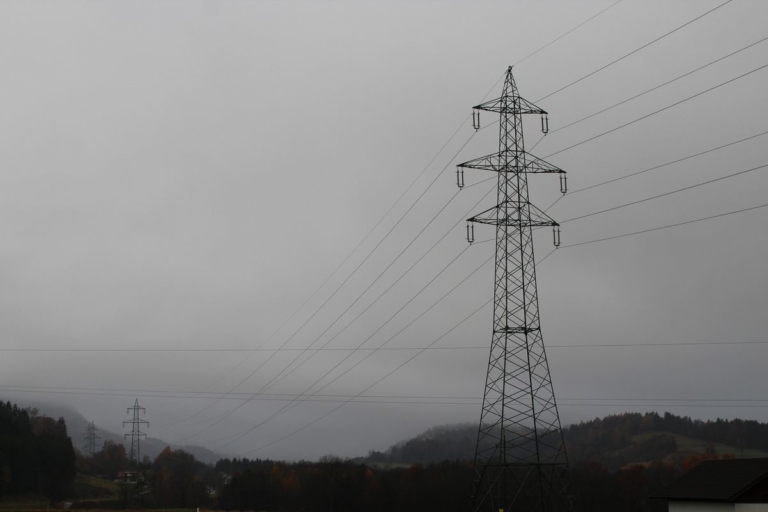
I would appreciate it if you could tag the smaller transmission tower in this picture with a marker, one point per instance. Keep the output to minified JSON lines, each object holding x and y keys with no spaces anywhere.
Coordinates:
{"x":89,"y":438}
{"x":136,"y":433}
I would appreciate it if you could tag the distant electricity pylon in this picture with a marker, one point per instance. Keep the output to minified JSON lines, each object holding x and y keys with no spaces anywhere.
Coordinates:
{"x":136,"y":433}
{"x":89,"y":438}
{"x":520,"y":456}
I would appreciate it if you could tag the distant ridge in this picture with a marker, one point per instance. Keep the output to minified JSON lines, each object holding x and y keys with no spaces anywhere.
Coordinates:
{"x":613,"y":441}
{"x":76,"y":426}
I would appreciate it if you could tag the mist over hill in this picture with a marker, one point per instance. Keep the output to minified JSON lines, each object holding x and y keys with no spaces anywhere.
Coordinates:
{"x":614,"y":441}
{"x":76,"y":424}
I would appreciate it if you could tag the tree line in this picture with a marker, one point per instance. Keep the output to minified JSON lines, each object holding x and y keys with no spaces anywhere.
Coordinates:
{"x":36,"y":454}
{"x":611,"y":468}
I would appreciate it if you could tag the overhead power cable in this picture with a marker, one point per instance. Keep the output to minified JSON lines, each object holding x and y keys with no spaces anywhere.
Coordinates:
{"x":268,"y":359}
{"x":708,"y":182}
{"x":656,"y":87}
{"x":565,"y":34}
{"x":388,"y":374}
{"x":657,"y":111}
{"x":367,"y":235}
{"x":402,"y":196}
{"x":461,"y":125}
{"x":342,"y":404}
{"x":606,"y":182}
{"x":266,"y":387}
{"x":303,"y":395}
{"x":636,"y":173}
{"x":380,"y":275}
{"x":207,"y":395}
{"x":431,"y":248}
{"x":360,"y":349}
{"x":707,"y":406}
{"x":547,"y":46}
{"x":665,"y":227}
{"x":646,"y":45}
{"x":307,"y":425}
{"x":426,"y":400}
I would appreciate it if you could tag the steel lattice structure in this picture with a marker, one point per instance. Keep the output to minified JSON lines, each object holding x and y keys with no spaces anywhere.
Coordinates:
{"x":520,"y":457}
{"x":89,"y":438}
{"x":136,"y":433}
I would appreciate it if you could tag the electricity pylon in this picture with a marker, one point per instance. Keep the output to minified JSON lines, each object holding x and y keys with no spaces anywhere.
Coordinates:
{"x":136,"y":433}
{"x":520,"y":456}
{"x":90,"y":437}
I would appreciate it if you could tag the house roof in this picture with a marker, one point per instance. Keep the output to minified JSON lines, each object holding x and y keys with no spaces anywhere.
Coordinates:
{"x":722,"y":480}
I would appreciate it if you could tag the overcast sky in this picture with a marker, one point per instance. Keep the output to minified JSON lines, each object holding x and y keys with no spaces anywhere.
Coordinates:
{"x":183,"y":175}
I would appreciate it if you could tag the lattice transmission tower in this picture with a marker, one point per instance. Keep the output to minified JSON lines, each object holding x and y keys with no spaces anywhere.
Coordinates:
{"x":89,"y":439}
{"x":136,"y":433}
{"x":520,"y":457}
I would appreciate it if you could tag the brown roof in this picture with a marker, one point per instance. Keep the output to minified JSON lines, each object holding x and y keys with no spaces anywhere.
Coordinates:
{"x":725,"y":480}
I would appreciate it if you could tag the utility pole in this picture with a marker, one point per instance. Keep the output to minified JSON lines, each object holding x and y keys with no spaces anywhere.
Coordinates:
{"x":520,"y":456}
{"x":90,"y":437}
{"x":136,"y":433}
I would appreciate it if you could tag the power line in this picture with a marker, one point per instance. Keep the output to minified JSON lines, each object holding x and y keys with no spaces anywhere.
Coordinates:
{"x":665,"y":164}
{"x":660,"y":344}
{"x":281,"y":411}
{"x":657,"y":111}
{"x":426,"y":400}
{"x":435,"y":244}
{"x":225,"y":415}
{"x":392,"y":207}
{"x":485,"y":304}
{"x":307,"y":425}
{"x":360,"y":349}
{"x":665,"y":227}
{"x":385,"y":323}
{"x":666,"y":193}
{"x":562,"y":36}
{"x":266,"y":387}
{"x":573,"y":404}
{"x":632,"y":52}
{"x":657,"y":87}
{"x":366,"y":258}
{"x":461,"y":125}
{"x":421,"y":351}
{"x":547,"y":46}
{"x":402,"y":399}
{"x":242,"y":381}
{"x":636,"y":173}
{"x":375,"y":281}
{"x":410,"y":186}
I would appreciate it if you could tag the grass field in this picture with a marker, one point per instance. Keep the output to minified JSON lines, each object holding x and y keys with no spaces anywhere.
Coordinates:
{"x":89,"y":488}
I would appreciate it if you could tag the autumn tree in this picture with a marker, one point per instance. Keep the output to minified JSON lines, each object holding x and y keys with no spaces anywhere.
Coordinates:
{"x":177,"y":480}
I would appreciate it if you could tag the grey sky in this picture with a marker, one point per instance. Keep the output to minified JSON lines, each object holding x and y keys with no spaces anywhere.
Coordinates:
{"x":184,"y":174}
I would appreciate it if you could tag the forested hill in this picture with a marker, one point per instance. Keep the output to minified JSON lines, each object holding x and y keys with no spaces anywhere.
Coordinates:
{"x":613,"y":441}
{"x":151,"y":447}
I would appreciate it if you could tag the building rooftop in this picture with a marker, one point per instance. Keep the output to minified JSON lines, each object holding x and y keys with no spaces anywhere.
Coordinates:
{"x":725,"y":480}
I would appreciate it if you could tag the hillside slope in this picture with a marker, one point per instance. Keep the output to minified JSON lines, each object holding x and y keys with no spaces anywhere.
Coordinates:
{"x":614,"y":441}
{"x":151,"y":446}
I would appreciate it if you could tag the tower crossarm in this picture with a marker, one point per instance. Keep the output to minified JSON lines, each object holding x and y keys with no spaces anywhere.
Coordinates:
{"x":510,"y":104}
{"x":512,"y":161}
{"x":513,"y":213}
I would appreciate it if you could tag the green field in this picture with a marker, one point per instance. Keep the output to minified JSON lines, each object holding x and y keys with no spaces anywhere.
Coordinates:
{"x":87,"y":488}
